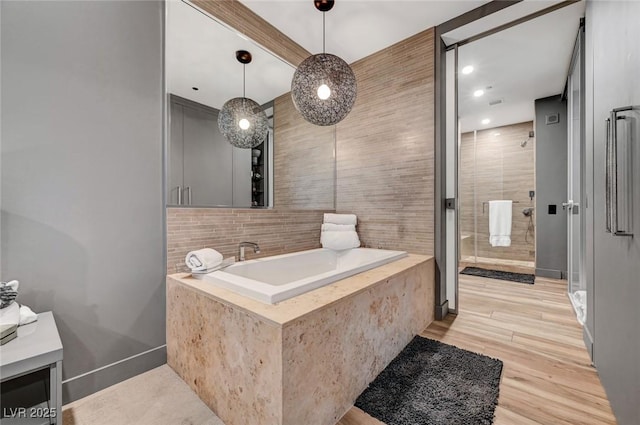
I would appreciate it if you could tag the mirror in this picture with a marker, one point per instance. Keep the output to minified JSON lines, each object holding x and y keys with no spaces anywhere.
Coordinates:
{"x":293,"y":169}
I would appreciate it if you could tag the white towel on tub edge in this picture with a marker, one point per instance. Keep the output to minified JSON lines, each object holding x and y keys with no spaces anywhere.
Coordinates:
{"x":339,"y":241}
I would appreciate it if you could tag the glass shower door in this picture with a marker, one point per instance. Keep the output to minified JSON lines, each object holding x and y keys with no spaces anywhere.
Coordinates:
{"x":573,"y":207}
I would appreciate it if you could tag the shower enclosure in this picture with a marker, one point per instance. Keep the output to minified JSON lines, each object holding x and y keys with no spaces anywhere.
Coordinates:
{"x":575,"y":222}
{"x":497,"y":164}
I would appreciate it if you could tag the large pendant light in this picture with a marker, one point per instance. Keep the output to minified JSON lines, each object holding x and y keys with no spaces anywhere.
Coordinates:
{"x":241,"y":120}
{"x":324,"y":86}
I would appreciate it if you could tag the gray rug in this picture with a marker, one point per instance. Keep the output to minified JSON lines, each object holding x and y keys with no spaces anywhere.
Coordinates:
{"x":498,"y":274}
{"x":434,"y":383}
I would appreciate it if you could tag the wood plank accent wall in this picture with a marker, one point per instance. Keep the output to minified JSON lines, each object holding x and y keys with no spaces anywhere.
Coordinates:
{"x":385,"y":148}
{"x":499,"y":169}
{"x":304,"y":160}
{"x":277,"y":232}
{"x":244,"y":20}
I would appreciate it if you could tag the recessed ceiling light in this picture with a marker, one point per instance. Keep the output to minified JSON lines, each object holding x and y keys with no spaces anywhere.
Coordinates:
{"x":467,"y":70}
{"x":478,"y":93}
{"x":496,"y":134}
{"x":486,"y":121}
{"x":195,"y":88}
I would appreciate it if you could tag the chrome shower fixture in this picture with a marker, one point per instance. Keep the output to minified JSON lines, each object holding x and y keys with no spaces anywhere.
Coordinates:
{"x":524,"y":142}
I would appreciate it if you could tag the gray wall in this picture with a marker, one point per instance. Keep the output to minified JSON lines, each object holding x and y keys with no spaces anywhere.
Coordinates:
{"x":82,"y":198}
{"x":551,"y":188}
{"x":613,"y":43}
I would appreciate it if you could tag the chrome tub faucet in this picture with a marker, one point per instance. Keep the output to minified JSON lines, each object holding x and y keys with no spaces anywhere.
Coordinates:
{"x":241,"y":247}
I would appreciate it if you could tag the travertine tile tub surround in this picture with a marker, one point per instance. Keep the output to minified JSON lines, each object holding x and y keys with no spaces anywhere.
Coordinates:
{"x":301,"y":361}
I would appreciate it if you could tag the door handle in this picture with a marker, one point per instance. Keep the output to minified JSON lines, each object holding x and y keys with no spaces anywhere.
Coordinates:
{"x":607,"y":168}
{"x":567,"y":205}
{"x":613,"y":175}
{"x":179,"y":190}
{"x":188,"y":189}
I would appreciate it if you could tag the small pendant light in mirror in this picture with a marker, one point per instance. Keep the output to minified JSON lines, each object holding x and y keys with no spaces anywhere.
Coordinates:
{"x":242,"y":121}
{"x":324,"y":86}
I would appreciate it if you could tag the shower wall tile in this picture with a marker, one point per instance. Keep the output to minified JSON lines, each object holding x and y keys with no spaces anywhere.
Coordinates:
{"x":276,"y":231}
{"x":497,"y":167}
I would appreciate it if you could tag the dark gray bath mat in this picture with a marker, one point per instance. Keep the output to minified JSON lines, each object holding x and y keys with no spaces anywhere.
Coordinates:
{"x":434,"y":383}
{"x":497,"y":274}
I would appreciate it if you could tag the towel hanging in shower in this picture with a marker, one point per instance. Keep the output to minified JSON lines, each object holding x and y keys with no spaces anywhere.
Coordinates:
{"x":500,"y":223}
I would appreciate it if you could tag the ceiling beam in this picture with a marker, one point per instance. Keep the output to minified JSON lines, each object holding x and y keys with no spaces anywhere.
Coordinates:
{"x":242,"y":19}
{"x":475,"y":14}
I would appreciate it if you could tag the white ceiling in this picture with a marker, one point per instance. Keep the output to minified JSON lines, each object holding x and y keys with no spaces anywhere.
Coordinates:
{"x":357,"y":28}
{"x":200,"y":52}
{"x":521,"y":64}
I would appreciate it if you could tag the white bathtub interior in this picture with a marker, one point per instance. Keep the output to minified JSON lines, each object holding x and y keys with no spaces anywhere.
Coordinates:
{"x":274,"y":279}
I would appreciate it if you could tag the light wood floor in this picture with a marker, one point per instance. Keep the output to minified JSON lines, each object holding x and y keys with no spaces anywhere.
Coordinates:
{"x":547,"y":376}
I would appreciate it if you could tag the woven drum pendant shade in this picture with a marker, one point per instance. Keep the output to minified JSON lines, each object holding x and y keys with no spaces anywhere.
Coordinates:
{"x":241,"y":120}
{"x":324,"y":86}
{"x":331,"y":71}
{"x":241,"y":112}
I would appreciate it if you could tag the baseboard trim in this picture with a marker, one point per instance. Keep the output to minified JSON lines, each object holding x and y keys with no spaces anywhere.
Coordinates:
{"x":442,"y":310}
{"x":98,"y":379}
{"x":554,"y":274}
{"x":588,"y":342}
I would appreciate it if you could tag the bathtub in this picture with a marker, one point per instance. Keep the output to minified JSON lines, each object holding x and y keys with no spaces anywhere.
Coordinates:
{"x":278,"y":278}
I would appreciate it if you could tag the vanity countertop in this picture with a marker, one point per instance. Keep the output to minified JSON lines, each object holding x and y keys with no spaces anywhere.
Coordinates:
{"x":298,"y":306}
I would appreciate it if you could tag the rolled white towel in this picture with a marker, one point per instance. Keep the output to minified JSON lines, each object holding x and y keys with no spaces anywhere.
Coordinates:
{"x":27,"y":315}
{"x":339,"y":241}
{"x":203,"y":259}
{"x":330,"y":227}
{"x":341,"y":218}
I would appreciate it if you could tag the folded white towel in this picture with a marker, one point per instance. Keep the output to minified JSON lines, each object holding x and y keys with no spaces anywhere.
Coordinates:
{"x":27,"y":315}
{"x":330,"y":227}
{"x":338,"y":240}
{"x":500,"y":223}
{"x":341,"y":218}
{"x":10,"y":315}
{"x":203,"y":259}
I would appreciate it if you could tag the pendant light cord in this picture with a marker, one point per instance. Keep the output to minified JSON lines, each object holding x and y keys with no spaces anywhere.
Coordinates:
{"x":244,"y":80}
{"x":323,"y":33}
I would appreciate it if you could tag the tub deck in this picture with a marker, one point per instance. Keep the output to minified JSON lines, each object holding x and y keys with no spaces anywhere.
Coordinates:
{"x":301,"y":361}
